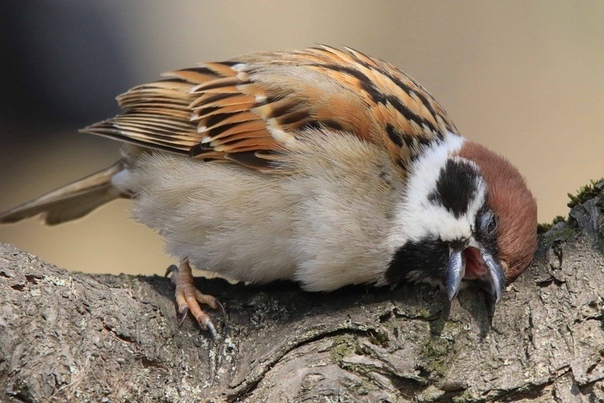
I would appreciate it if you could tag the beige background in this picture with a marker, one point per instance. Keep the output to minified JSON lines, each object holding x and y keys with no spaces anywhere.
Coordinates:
{"x":525,"y":78}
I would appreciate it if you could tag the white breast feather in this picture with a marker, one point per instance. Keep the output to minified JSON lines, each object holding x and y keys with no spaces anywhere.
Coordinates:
{"x":326,"y":224}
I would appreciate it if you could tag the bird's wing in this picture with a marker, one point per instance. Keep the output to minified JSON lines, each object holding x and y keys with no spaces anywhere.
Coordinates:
{"x":249,"y":109}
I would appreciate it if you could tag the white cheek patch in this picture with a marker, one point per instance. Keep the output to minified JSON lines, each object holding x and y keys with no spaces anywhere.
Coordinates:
{"x":436,"y":222}
{"x":419,"y":216}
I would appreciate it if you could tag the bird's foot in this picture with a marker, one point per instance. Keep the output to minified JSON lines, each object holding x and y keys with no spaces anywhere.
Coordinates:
{"x":188,"y":297}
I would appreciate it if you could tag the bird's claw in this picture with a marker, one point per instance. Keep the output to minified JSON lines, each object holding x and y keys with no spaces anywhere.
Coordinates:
{"x":210,"y":328}
{"x":183,"y":315}
{"x":188,"y":298}
{"x":171,"y":270}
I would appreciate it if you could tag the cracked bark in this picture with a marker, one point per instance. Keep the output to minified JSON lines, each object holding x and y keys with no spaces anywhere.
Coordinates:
{"x":76,"y":337}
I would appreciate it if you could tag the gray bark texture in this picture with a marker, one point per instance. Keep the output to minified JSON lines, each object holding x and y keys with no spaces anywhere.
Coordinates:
{"x":68,"y":336}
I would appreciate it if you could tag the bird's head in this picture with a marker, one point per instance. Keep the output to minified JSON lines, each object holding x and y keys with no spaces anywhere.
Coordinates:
{"x":466,"y":214}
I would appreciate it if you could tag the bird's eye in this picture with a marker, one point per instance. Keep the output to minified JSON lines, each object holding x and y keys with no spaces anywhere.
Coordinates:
{"x":489,"y":223}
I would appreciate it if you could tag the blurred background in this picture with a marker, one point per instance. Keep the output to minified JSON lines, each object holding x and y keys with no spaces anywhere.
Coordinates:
{"x":523,"y":78}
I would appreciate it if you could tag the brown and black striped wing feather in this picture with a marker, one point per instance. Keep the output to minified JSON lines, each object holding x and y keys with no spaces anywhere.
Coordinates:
{"x":246,"y":110}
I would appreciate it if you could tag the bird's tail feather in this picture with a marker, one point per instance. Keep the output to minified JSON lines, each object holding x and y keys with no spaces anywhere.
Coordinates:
{"x":70,"y":201}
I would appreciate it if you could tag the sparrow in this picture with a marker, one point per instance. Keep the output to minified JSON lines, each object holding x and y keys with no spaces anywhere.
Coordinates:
{"x":323,"y":166}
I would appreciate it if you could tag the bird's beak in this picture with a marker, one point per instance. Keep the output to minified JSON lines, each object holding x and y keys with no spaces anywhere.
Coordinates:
{"x":484,"y":268}
{"x":494,"y":281}
{"x":456,"y":270}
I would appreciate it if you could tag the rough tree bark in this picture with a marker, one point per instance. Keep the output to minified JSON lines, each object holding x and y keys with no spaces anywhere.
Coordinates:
{"x":76,"y":337}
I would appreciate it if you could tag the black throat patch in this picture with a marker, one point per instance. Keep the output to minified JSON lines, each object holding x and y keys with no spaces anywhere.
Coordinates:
{"x":419,"y":261}
{"x":456,"y":187}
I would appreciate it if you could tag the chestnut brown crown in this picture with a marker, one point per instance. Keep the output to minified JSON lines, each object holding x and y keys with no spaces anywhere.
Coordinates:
{"x":510,"y":198}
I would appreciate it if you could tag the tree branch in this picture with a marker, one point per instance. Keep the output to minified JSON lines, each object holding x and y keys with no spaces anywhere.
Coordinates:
{"x":78,"y":337}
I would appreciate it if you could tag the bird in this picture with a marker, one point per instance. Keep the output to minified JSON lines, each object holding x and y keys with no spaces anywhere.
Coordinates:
{"x":324,"y":166}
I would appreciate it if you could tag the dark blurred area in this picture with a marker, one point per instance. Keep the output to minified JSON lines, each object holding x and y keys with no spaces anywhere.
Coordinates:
{"x":523,"y":78}
{"x":62,"y":68}
{"x":62,"y":64}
